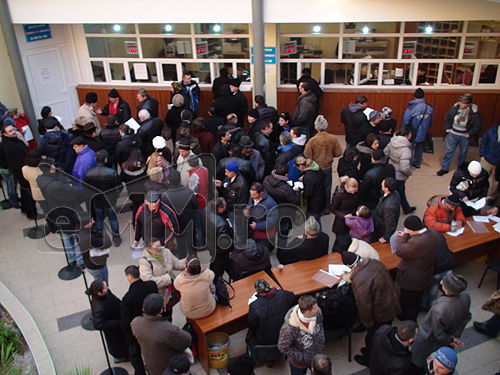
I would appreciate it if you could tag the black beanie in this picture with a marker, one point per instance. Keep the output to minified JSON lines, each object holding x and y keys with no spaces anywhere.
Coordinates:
{"x":419,"y":93}
{"x":414,"y":223}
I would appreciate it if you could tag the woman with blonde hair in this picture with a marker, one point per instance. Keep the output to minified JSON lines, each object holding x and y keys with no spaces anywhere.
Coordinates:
{"x":313,"y":191}
{"x":345,"y":201}
{"x":161,"y":157}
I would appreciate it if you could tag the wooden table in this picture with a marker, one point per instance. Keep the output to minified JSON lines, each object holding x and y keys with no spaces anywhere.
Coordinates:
{"x":384,"y":250}
{"x":297,"y":277}
{"x":226,"y":319}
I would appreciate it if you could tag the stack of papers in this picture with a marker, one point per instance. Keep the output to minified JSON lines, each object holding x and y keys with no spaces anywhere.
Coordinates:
{"x":494,"y":218}
{"x":337,"y":269}
{"x":477,"y":227}
{"x":497,"y":227}
{"x":480,"y":219}
{"x":478,"y":204}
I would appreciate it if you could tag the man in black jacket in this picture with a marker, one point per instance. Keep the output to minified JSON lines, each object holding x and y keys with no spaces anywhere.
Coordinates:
{"x":146,"y":102}
{"x":118,"y":107}
{"x":266,"y":315}
{"x":221,"y":148}
{"x":241,"y":101}
{"x":234,"y":188}
{"x":110,"y":136}
{"x":313,"y":84}
{"x":245,"y":166}
{"x":129,"y":140}
{"x":151,"y":127}
{"x":263,"y":144}
{"x":391,"y":350}
{"x":266,"y":112}
{"x":223,"y":79}
{"x":305,"y":111}
{"x":369,"y":190}
{"x":108,"y":187}
{"x":355,"y":120}
{"x":131,"y":308}
{"x":386,"y":215}
{"x":90,"y":136}
{"x":219,"y":236}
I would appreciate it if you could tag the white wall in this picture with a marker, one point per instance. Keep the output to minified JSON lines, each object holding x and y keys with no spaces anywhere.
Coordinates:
{"x":8,"y":88}
{"x":229,"y":11}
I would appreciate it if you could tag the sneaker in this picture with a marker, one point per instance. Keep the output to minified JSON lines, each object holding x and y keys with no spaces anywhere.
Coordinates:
{"x":481,"y":327}
{"x":416,"y":166}
{"x":361,"y":359}
{"x":117,"y":241}
{"x":442,"y":172}
{"x":410,"y":210}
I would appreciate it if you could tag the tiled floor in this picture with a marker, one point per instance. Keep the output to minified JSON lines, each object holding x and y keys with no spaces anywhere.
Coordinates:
{"x":30,"y":270}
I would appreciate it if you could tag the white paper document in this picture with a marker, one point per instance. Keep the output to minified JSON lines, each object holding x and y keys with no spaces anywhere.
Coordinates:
{"x":28,"y":135}
{"x":133,"y":124}
{"x":477,"y":205}
{"x":325,"y":278}
{"x":337,"y":269}
{"x":480,"y":219}
{"x":494,"y":218}
{"x":252,"y":298}
{"x":298,"y":185}
{"x":497,"y":227}
{"x":98,"y":252}
{"x":457,"y":233}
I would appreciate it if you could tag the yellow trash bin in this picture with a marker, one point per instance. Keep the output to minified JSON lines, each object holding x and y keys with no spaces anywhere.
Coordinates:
{"x":218,"y":349}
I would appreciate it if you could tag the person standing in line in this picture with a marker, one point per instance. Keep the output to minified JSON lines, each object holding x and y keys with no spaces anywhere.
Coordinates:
{"x":118,"y":107}
{"x":355,"y":120}
{"x":305,"y":111}
{"x":146,"y":102}
{"x":89,"y":111}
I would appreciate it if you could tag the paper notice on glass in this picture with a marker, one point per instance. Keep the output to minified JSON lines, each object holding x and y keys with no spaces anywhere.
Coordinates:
{"x":337,"y":269}
{"x":141,"y":71}
{"x":325,"y":278}
{"x":477,"y":227}
{"x":494,"y":218}
{"x":477,"y":205}
{"x":28,"y":135}
{"x":298,"y":185}
{"x":480,"y":219}
{"x":133,"y":124}
{"x":457,"y":233}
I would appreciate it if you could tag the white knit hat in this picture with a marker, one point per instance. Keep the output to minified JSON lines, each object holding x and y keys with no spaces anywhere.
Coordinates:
{"x":159,"y":142}
{"x":475,"y":168}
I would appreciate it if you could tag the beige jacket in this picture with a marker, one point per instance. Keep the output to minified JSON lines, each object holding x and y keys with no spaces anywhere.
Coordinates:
{"x":363,"y":249}
{"x":160,"y":272}
{"x":322,"y":148}
{"x":30,"y":174}
{"x":197,"y":301}
{"x":88,"y":112}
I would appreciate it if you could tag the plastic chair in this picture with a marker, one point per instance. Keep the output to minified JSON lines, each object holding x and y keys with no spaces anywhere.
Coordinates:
{"x":337,"y":334}
{"x":493,"y":265}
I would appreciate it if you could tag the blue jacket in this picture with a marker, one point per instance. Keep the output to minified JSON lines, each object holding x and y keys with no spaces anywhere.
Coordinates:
{"x":55,"y":144}
{"x":414,"y":114}
{"x":84,"y":161}
{"x":490,"y":147}
{"x":263,"y":214}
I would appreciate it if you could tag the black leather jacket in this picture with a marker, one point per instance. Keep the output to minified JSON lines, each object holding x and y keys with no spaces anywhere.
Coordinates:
{"x":236,"y":192}
{"x":125,"y":146}
{"x":151,"y":105}
{"x":105,"y":181}
{"x":263,"y":144}
{"x":123,"y":112}
{"x":110,"y":137}
{"x":148,"y":130}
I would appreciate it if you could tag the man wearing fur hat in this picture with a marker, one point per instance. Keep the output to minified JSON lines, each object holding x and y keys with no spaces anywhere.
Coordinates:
{"x":302,"y":335}
{"x":462,"y":124}
{"x":417,"y":247}
{"x":444,"y":213}
{"x":323,"y":148}
{"x":445,"y":321}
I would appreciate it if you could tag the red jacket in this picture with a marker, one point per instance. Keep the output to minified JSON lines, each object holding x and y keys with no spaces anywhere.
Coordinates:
{"x":205,"y":138}
{"x":198,"y":183}
{"x":22,"y":122}
{"x":437,"y":216}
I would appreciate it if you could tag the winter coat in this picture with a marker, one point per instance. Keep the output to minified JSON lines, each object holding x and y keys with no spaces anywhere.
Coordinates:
{"x":389,"y":356}
{"x":365,"y":158}
{"x":444,"y":260}
{"x":55,"y":144}
{"x":160,"y":340}
{"x":240,"y":261}
{"x":265,"y":216}
{"x":125,"y":145}
{"x":313,"y":84}
{"x":322,"y":148}
{"x":220,"y":151}
{"x":15,"y":151}
{"x":31,"y":174}
{"x":417,"y":254}
{"x":447,"y":317}
{"x":314,"y":189}
{"x":305,"y":111}
{"x":400,"y":155}
{"x":370,"y":190}
{"x":123,"y":112}
{"x":464,"y":185}
{"x":241,"y":102}
{"x":287,"y":153}
{"x":437,"y":216}
{"x":278,"y":188}
{"x":386,"y":216}
{"x":110,"y":136}
{"x":173,"y":119}
{"x":89,"y":112}
{"x":226,"y":104}
{"x":95,"y":238}
{"x":219,"y":239}
{"x":218,"y":82}
{"x":150,"y":104}
{"x":363,"y":249}
{"x":149,"y":129}
{"x":198,"y":184}
{"x":258,"y":163}
{"x":339,"y":310}
{"x":182,"y":202}
{"x":373,"y":288}
{"x":297,"y":343}
{"x":183,"y":167}
{"x":245,"y":169}
{"x":107,"y":184}
{"x":360,"y":228}
{"x":85,"y":160}
{"x":132,"y":304}
{"x":354,"y":121}
{"x":212,"y":123}
{"x":106,"y":314}
{"x":349,"y":169}
{"x":197,"y":299}
{"x":267,"y":113}
{"x":419,"y":116}
{"x":473,"y":126}
{"x":159,"y":187}
{"x":134,"y":181}
{"x":161,"y":224}
{"x":94,"y":143}
{"x":266,"y":316}
{"x":490,"y":147}
{"x":263,"y":144}
{"x":161,"y":272}
{"x":205,"y":139}
{"x":191,"y":94}
{"x":343,"y":203}
{"x":305,"y":249}
{"x":235,"y":192}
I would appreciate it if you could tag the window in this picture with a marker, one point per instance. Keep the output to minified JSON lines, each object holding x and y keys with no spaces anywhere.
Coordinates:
{"x":141,"y":71}
{"x":100,"y":28}
{"x":288,"y":73}
{"x":165,"y":28}
{"x":309,"y":28}
{"x":371,"y":27}
{"x":109,"y":47}
{"x":339,"y":74}
{"x":200,"y":72}
{"x":169,"y":72}
{"x":488,"y":74}
{"x":398,"y":74}
{"x":117,"y":71}
{"x":221,"y":28}
{"x":166,"y":48}
{"x":311,"y":47}
{"x":433,"y":27}
{"x":98,"y":71}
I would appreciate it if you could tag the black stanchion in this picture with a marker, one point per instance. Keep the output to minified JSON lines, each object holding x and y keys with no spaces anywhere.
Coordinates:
{"x":68,"y":272}
{"x":110,"y":370}
{"x":5,"y":204}
{"x":86,"y":321}
{"x":38,"y":232}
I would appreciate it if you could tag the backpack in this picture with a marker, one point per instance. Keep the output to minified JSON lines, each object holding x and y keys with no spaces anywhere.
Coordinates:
{"x":221,"y":293}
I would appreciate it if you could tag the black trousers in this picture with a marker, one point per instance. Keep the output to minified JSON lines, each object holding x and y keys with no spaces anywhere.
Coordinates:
{"x":369,"y":336}
{"x":410,"y":302}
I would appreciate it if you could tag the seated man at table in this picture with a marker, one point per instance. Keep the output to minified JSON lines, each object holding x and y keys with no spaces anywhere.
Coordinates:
{"x":314,"y":244}
{"x":266,"y":314}
{"x":249,"y":259}
{"x":470,"y":183}
{"x":442,"y":212}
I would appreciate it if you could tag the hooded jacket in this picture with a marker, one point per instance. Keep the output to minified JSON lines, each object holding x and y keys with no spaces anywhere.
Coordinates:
{"x":464,"y":185}
{"x":437,"y":216}
{"x":473,"y":126}
{"x":125,"y":145}
{"x":287,"y":153}
{"x":254,"y":258}
{"x":400,"y":153}
{"x":419,"y":116}
{"x":304,"y":114}
{"x":360,"y":228}
{"x":314,"y":188}
{"x":323,"y":148}
{"x":278,"y":188}
{"x":354,"y":121}
{"x":55,"y":144}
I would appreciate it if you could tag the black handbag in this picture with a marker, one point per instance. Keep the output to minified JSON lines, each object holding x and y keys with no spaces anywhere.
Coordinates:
{"x":429,"y":143}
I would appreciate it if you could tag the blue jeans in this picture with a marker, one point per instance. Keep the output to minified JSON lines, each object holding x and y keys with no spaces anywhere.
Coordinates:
{"x":72,"y":248}
{"x":110,"y":211}
{"x":452,"y":141}
{"x":419,"y":153}
{"x":100,"y":274}
{"x":11,"y":183}
{"x":200,"y":241}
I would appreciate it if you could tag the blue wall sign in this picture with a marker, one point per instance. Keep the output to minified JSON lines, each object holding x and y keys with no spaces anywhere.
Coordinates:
{"x":37,"y":32}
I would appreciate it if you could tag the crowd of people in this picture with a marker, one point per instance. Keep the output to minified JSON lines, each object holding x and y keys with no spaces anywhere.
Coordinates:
{"x":239,"y":195}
